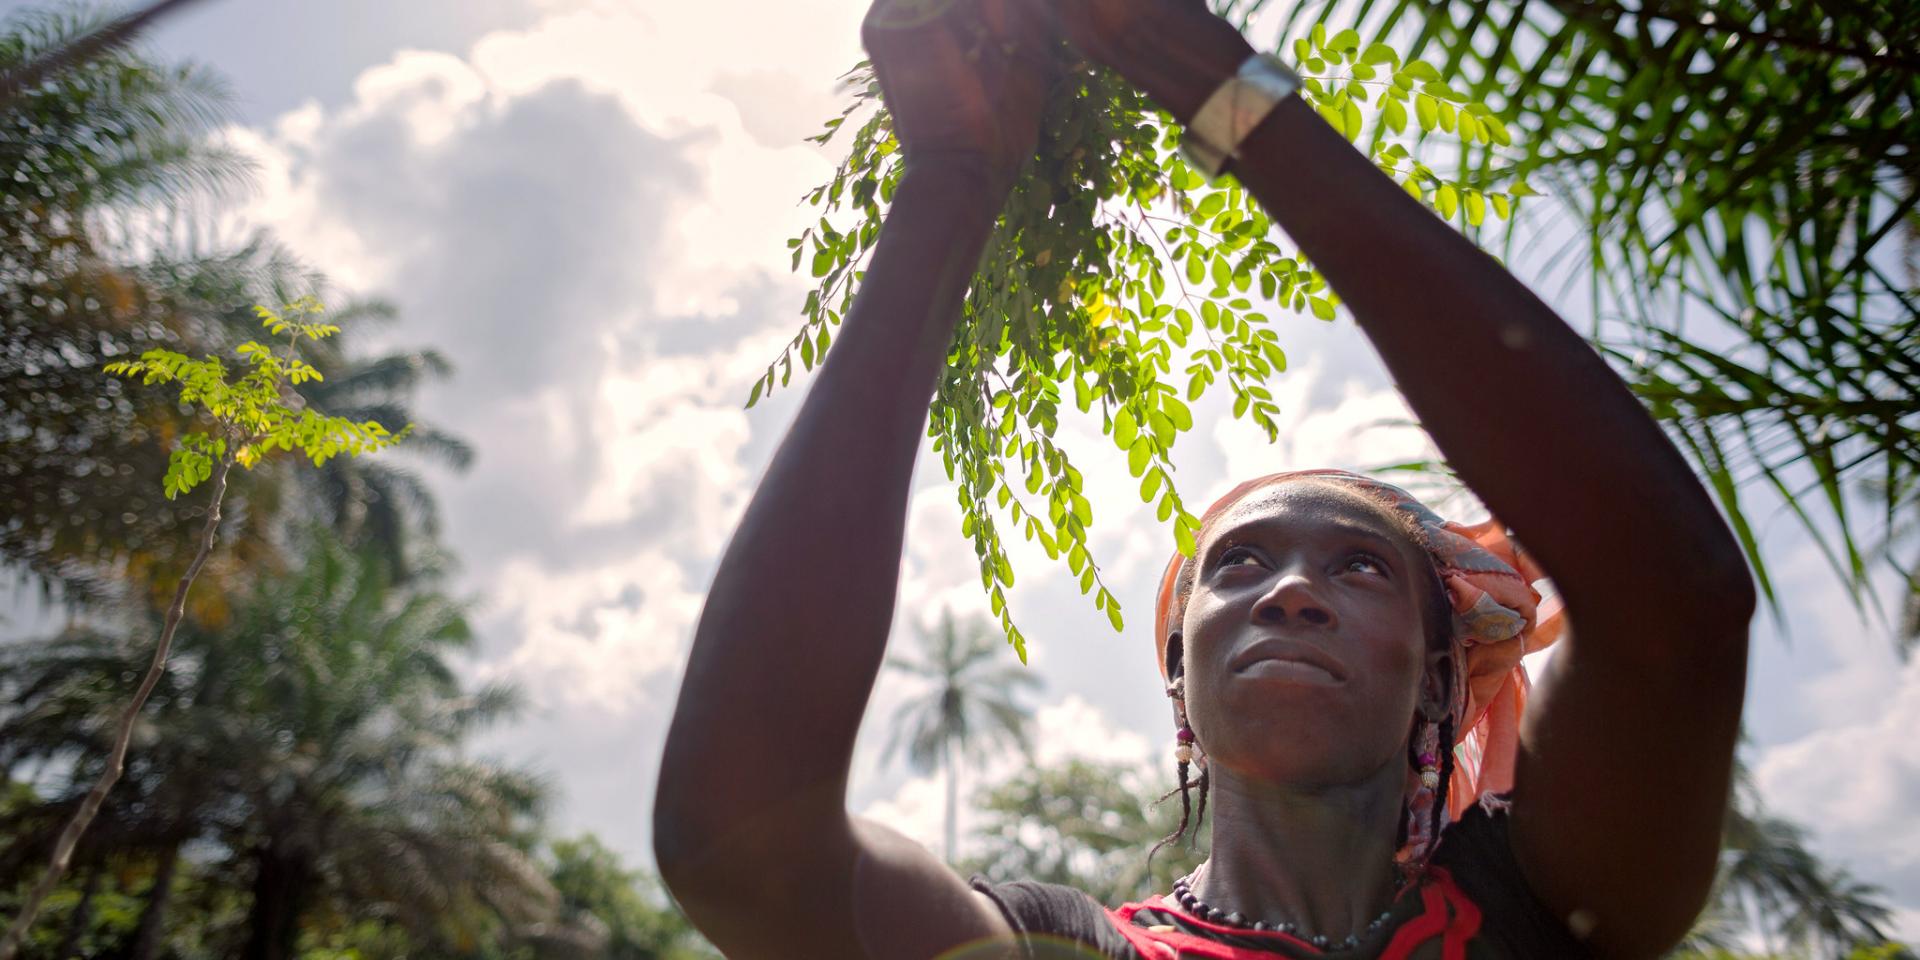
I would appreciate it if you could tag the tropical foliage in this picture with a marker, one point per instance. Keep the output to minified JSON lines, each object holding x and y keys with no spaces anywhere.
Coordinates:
{"x":89,"y":153}
{"x":1772,"y":886}
{"x":1736,"y":178}
{"x":316,"y":741}
{"x":303,"y":784}
{"x":251,"y":416}
{"x":1112,"y":262}
{"x":617,"y":913}
{"x":1733,"y":180}
{"x":120,"y":134}
{"x":101,"y":259}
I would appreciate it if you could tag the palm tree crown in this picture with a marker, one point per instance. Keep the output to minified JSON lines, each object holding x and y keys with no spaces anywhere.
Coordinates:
{"x":969,"y":703}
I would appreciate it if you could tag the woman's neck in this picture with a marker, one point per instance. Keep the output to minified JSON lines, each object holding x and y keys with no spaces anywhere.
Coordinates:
{"x":1321,"y":859}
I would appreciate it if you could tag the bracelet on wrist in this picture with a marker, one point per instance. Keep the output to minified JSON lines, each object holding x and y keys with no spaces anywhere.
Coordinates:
{"x":1229,"y":115}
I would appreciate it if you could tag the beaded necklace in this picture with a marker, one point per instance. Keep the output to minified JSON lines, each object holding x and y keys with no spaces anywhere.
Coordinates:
{"x":1183,"y":893}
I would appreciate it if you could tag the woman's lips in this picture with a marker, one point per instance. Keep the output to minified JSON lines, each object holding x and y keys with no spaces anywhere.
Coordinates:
{"x":1288,"y":659}
{"x":1294,"y":671}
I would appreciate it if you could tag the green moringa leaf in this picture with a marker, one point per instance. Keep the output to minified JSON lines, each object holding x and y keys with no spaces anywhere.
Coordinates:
{"x":1075,"y":285}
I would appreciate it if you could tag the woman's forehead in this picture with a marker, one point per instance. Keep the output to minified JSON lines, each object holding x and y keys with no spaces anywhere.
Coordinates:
{"x":1305,"y":504}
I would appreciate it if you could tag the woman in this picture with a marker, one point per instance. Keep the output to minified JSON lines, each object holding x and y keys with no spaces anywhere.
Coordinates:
{"x":1308,"y":647}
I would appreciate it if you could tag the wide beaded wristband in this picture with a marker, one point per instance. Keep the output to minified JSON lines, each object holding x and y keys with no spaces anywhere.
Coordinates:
{"x":1231,"y":113}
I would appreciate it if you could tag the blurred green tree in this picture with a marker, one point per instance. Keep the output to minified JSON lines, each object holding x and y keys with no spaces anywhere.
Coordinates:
{"x":1083,"y":824}
{"x":119,"y":135}
{"x":248,"y":417}
{"x":317,"y":741}
{"x":102,"y":257}
{"x":617,"y":913}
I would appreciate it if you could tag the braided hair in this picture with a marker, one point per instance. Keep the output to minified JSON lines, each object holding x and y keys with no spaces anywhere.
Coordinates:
{"x":1188,"y":815}
{"x":1446,"y":774}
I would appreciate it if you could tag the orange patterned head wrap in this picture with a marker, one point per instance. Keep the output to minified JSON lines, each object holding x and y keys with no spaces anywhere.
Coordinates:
{"x":1498,"y":618}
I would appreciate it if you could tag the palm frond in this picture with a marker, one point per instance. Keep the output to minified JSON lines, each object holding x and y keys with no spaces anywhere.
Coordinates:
{"x":1739,"y":178}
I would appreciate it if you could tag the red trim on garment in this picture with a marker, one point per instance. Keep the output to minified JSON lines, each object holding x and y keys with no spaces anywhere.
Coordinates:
{"x":1446,"y":913}
{"x":1466,"y":924}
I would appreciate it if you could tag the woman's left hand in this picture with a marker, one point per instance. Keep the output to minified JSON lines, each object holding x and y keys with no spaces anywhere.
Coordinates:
{"x":965,"y":80}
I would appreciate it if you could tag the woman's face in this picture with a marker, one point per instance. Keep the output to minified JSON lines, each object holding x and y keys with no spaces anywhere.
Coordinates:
{"x":1304,"y":642}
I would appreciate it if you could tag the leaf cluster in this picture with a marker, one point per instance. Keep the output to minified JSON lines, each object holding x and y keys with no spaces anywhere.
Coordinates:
{"x":1118,"y":280}
{"x":259,"y":412}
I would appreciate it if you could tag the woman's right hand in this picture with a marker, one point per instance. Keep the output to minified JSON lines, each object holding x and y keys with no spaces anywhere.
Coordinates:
{"x":965,"y":80}
{"x":1176,"y":51}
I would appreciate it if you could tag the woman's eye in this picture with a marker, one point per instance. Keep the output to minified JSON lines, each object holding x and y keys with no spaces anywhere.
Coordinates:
{"x":1238,"y":556}
{"x":1365,"y":564}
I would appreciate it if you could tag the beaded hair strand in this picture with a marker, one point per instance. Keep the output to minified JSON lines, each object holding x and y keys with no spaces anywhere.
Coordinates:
{"x":1446,"y":774}
{"x":1200,"y":815}
{"x":1186,"y":810}
{"x":1404,"y":826}
{"x":1189,"y":814}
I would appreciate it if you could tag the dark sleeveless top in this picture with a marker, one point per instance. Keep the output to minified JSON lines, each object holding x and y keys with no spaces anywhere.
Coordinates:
{"x":1474,"y":905}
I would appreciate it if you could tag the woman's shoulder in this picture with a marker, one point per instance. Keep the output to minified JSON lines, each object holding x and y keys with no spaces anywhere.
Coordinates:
{"x":1056,"y":921}
{"x":1477,"y":854}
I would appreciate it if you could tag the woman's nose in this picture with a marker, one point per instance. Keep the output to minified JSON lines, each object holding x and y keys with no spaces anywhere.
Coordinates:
{"x":1293,"y":600}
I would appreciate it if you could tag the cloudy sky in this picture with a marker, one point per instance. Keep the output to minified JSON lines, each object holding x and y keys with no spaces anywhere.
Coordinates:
{"x":584,"y":204}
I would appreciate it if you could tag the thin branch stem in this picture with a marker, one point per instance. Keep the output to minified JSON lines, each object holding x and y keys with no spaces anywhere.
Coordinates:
{"x":116,"y":759}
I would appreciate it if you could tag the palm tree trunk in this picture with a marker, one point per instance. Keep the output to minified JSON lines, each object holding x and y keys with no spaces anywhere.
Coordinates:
{"x":279,"y":890}
{"x":946,"y":760}
{"x":148,"y":937}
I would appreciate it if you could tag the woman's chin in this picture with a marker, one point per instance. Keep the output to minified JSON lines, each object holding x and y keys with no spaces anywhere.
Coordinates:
{"x":1301,"y":746}
{"x":1296,"y":773}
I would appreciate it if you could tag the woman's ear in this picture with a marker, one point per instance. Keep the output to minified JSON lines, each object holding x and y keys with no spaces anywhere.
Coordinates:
{"x":1436,"y":686}
{"x":1176,"y":653}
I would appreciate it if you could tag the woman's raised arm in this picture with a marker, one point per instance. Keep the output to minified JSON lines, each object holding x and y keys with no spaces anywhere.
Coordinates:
{"x":1626,"y":753}
{"x":750,"y":823}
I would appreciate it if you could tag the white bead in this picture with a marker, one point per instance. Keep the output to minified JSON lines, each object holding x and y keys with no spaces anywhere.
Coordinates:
{"x":1430,"y":779}
{"x":1183,"y":752}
